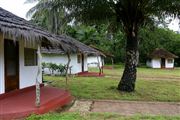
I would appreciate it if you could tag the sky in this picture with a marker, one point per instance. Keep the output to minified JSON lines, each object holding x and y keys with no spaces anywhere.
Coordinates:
{"x":20,"y":9}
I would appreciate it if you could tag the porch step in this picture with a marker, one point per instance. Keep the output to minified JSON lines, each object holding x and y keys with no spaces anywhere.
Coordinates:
{"x":22,"y":105}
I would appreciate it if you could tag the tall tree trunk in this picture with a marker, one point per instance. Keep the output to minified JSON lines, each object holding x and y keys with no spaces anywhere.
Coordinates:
{"x":128,"y":79}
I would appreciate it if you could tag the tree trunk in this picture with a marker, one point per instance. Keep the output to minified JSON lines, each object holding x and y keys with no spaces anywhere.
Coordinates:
{"x":128,"y":79}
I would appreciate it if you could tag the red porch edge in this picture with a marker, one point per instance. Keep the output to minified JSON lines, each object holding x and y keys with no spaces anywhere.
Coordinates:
{"x":21,"y":103}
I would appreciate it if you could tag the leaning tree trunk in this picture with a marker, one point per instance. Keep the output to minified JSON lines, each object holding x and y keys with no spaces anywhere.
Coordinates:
{"x":128,"y":79}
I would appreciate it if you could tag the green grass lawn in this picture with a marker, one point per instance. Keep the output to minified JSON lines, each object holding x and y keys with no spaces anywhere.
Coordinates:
{"x":165,"y":85}
{"x":152,"y":85}
{"x":96,"y":116}
{"x":146,"y":73}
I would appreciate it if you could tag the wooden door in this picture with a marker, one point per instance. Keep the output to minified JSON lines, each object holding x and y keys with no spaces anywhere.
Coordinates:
{"x":11,"y":55}
{"x":163,"y":62}
{"x":82,"y":56}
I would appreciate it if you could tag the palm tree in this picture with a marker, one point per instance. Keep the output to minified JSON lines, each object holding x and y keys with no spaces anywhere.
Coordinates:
{"x":48,"y":15}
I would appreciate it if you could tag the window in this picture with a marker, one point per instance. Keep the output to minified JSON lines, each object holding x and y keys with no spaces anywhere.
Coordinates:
{"x":79,"y":58}
{"x":30,"y":57}
{"x":170,"y":60}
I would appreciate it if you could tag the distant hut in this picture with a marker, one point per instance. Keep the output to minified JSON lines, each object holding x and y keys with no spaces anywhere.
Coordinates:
{"x":161,"y":58}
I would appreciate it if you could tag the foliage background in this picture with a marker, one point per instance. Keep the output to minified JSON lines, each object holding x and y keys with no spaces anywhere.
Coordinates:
{"x":114,"y":43}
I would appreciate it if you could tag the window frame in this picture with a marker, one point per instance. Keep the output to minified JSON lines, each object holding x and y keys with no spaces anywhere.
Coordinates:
{"x":78,"y":58}
{"x":170,"y":61}
{"x":27,"y":51}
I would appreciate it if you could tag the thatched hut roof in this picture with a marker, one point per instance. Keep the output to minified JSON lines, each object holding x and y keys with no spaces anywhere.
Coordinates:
{"x":81,"y":47}
{"x":45,"y":50}
{"x":162,"y":53}
{"x":76,"y":47}
{"x":18,"y":28}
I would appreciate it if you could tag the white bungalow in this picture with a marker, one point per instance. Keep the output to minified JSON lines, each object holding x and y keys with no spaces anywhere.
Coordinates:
{"x":20,"y":68}
{"x":78,"y":62}
{"x":19,"y":43}
{"x":78,"y":59}
{"x":161,"y":58}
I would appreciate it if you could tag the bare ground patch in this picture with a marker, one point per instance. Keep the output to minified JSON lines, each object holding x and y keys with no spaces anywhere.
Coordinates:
{"x":127,"y":108}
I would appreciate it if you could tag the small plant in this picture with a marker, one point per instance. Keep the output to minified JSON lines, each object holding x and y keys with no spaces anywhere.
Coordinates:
{"x":52,"y":67}
{"x":61,"y":69}
{"x":44,"y":65}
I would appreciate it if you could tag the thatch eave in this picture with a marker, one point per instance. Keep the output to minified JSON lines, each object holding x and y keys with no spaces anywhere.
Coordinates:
{"x":17,"y":28}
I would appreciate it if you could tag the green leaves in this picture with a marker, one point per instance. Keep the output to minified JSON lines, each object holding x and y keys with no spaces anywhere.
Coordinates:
{"x":55,"y":68}
{"x":49,"y":15}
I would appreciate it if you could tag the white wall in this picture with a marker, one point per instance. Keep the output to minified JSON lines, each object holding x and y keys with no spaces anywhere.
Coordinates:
{"x":169,"y":65}
{"x":93,"y":61}
{"x":2,"y":82}
{"x":62,"y":59}
{"x":27,"y":73}
{"x":156,"y":63}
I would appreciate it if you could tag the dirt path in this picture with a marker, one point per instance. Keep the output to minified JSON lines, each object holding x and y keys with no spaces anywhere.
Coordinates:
{"x":127,"y":107}
{"x":148,"y":78}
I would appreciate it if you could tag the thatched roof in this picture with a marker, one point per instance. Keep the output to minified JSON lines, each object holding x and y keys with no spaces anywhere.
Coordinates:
{"x":45,"y":50}
{"x":76,"y":47}
{"x":18,"y":28}
{"x":81,"y":47}
{"x":162,"y":53}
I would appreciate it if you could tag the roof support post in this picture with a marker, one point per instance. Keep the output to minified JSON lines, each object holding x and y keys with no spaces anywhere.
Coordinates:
{"x":37,"y":78}
{"x":102,"y":61}
{"x":112,"y":63}
{"x":99,"y":65}
{"x":67,"y":69}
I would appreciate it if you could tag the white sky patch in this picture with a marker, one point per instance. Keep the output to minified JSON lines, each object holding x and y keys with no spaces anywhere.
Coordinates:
{"x":20,"y":9}
{"x":16,"y":6}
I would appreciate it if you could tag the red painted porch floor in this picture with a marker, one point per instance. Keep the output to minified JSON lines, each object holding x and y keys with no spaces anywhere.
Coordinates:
{"x":21,"y":104}
{"x":90,"y":74}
